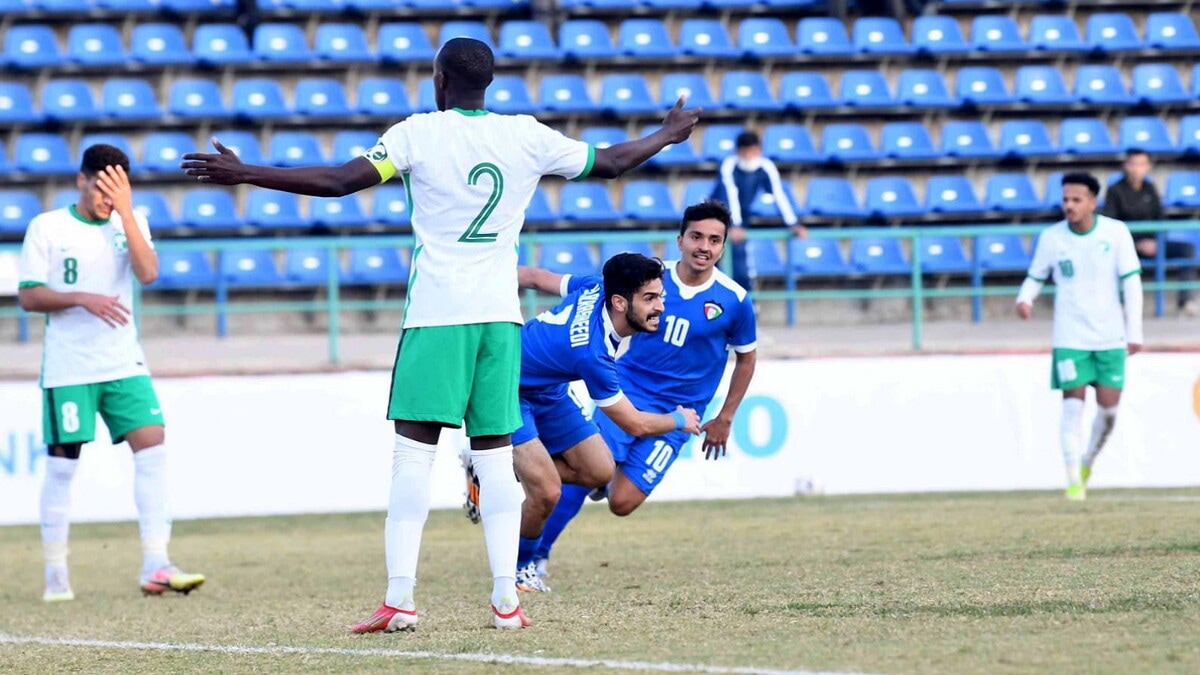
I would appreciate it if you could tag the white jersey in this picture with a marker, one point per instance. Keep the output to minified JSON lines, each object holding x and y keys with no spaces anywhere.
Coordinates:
{"x":69,"y":254}
{"x":470,"y":177}
{"x":1087,"y":270}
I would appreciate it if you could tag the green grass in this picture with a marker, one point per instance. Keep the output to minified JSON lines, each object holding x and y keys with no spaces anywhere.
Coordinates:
{"x":991,"y":583}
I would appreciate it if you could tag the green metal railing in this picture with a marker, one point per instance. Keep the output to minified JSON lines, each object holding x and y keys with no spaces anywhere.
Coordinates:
{"x":916,"y":291}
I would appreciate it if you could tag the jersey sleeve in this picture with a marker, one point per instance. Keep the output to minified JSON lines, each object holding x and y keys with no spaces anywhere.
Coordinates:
{"x":743,"y":334}
{"x":599,"y":374}
{"x":1128,"y":263}
{"x":1043,"y":260}
{"x":575,"y":282}
{"x":392,"y":153}
{"x":35,"y":257}
{"x":557,"y":155}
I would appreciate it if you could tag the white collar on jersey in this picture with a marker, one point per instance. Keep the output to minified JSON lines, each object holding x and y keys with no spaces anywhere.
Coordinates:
{"x":688,"y":292}
{"x":616,"y":344}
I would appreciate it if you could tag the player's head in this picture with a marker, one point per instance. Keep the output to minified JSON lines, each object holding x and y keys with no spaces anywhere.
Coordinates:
{"x":1080,"y":191}
{"x":634,"y":286}
{"x":702,"y":235}
{"x":93,"y":203}
{"x":463,"y":67}
{"x":1137,"y":165}
{"x":749,"y":147}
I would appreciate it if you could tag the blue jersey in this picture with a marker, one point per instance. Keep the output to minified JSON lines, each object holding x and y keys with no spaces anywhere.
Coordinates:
{"x":683,"y":362}
{"x":573,"y":341}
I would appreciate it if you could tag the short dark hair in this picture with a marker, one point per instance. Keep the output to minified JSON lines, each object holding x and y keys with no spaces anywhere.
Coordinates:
{"x":625,"y":273}
{"x":98,"y":156}
{"x":709,"y":208}
{"x":1085,"y":179}
{"x":467,"y":63}
{"x":1136,"y":151}
{"x":747,"y":139}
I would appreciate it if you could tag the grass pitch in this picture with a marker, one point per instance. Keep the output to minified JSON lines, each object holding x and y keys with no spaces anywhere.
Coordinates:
{"x":992,"y":583}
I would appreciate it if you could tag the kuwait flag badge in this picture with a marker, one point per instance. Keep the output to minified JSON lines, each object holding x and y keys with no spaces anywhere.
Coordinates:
{"x":712,"y":310}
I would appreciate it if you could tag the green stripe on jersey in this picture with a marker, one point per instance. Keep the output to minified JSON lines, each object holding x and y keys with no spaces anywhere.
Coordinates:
{"x":31,"y":284}
{"x":587,"y":168}
{"x":1129,"y":274}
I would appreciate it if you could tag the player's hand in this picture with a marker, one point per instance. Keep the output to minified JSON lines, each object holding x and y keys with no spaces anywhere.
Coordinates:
{"x":1134,"y":347}
{"x":737,"y":234}
{"x":679,"y":122}
{"x":800,"y":231}
{"x":716,"y":435}
{"x":223,"y":168}
{"x":1024,"y":310}
{"x":107,"y":307}
{"x":693,"y":420}
{"x":114,"y":184}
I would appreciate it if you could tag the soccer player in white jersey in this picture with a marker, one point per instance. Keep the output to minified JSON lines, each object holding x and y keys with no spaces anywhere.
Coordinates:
{"x":77,"y":267}
{"x":471,"y":174}
{"x":1093,"y":262}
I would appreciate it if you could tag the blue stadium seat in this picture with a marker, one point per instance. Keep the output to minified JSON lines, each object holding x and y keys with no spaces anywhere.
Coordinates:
{"x":159,"y":44}
{"x":790,"y":143}
{"x":184,"y":270}
{"x":509,"y":95}
{"x":257,"y":98}
{"x":823,"y":36}
{"x":63,"y":198}
{"x":308,"y":266}
{"x":645,"y":38}
{"x":1101,"y":85}
{"x":209,"y":209}
{"x":1086,"y":136}
{"x":1196,"y":81}
{"x":765,"y":205}
{"x":31,"y":46}
{"x":1026,"y":138}
{"x":764,"y":37}
{"x":1183,"y":189}
{"x":62,"y":6}
{"x":426,"y":98}
{"x":243,"y":143}
{"x":585,"y":39}
{"x":626,"y":95}
{"x":1054,"y":191}
{"x":832,"y":197}
{"x":1158,"y":83}
{"x":707,"y":38}
{"x":1055,"y":33}
{"x":880,"y":35}
{"x":342,"y":43}
{"x":1112,"y":33}
{"x":907,"y":140}
{"x":91,"y":44}
{"x":1012,"y":192}
{"x":981,"y":85}
{"x":196,"y":99}
{"x":250,"y":269}
{"x":648,"y":200}
{"x":799,"y":91}
{"x":967,"y":140}
{"x":337,"y":212}
{"x":951,"y":194}
{"x":539,"y":210}
{"x":692,"y":85}
{"x":391,"y":205}
{"x":271,"y":209}
{"x":847,"y":142}
{"x":371,"y":266}
{"x":220,"y":44}
{"x":1189,"y":134}
{"x":129,"y":99}
{"x":1042,"y":85}
{"x":476,"y":30}
{"x":68,"y":101}
{"x":676,"y":154}
{"x":164,"y":150}
{"x":527,"y":40}
{"x":281,"y":43}
{"x":17,"y":208}
{"x":818,"y":257}
{"x":294,"y":148}
{"x":924,"y":89}
{"x":128,"y":6}
{"x":697,"y":190}
{"x":153,"y":206}
{"x":865,"y":89}
{"x":993,"y":33}
{"x":573,"y":258}
{"x":40,"y":153}
{"x":719,"y":141}
{"x":1001,"y":253}
{"x":1171,"y":30}
{"x":350,"y":144}
{"x":16,"y":104}
{"x":892,"y":197}
{"x":321,"y":98}
{"x":609,"y":248}
{"x":603,"y":137}
{"x":404,"y":43}
{"x":879,"y":255}
{"x":587,"y":202}
{"x":766,"y":260}
{"x":199,"y":6}
{"x":943,"y":255}
{"x":118,"y":141}
{"x":747,"y":90}
{"x":938,"y":34}
{"x":382,"y":97}
{"x":5,"y":165}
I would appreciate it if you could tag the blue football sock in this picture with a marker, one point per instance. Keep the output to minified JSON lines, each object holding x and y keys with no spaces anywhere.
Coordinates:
{"x":526,"y":549}
{"x":568,"y":506}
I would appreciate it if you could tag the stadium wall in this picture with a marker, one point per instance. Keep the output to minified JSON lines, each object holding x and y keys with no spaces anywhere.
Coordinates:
{"x":318,"y":443}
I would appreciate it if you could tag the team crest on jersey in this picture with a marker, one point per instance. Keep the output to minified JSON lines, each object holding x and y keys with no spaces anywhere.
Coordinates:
{"x":377,"y":153}
{"x":120,"y":242}
{"x":712,"y":310}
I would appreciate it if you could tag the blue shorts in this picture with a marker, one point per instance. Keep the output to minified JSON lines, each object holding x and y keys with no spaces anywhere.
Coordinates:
{"x":554,"y":418}
{"x":644,"y":461}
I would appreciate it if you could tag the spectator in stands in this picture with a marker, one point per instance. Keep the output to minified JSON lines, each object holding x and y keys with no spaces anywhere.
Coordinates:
{"x":742,"y":177}
{"x":1133,"y":199}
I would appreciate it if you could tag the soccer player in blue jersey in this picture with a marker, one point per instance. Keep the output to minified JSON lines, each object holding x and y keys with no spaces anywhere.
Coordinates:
{"x":707,"y":314}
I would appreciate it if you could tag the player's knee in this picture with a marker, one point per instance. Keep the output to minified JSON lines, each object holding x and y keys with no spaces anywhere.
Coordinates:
{"x":599,"y":473}
{"x":623,"y":506}
{"x":544,"y":497}
{"x":66,"y":450}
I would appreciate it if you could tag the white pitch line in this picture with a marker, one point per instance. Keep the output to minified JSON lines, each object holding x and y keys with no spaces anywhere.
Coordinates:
{"x":503,"y":659}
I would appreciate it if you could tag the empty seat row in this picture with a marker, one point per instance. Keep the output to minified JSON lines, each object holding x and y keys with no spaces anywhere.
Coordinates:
{"x":18,"y":7}
{"x":302,"y":267}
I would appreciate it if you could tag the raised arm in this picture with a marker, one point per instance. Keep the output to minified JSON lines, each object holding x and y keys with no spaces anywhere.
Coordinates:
{"x":115,"y":184}
{"x":224,"y":168}
{"x":617,"y":159}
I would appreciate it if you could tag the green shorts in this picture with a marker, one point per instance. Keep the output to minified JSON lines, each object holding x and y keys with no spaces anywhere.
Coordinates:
{"x":457,"y":374}
{"x":1074,"y":368}
{"x":69,"y":413}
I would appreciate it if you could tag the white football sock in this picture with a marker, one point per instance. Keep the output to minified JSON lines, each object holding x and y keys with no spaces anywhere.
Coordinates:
{"x":1102,"y":426}
{"x":1072,"y":438}
{"x":408,"y":507}
{"x":500,"y":499}
{"x":55,"y":508}
{"x":150,"y":494}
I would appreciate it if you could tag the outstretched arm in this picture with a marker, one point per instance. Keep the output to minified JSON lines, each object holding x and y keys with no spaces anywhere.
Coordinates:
{"x":224,"y":168}
{"x":538,"y":279}
{"x":617,"y":159}
{"x":645,"y":424}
